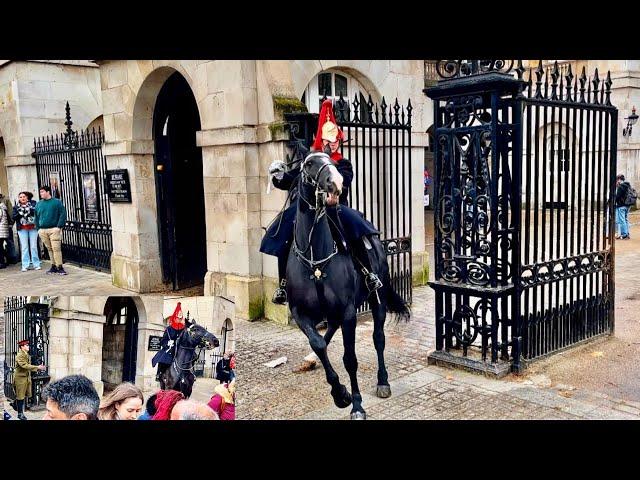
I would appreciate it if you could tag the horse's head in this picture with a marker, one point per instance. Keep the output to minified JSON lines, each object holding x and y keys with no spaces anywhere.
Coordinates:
{"x":319,"y":171}
{"x":198,"y":336}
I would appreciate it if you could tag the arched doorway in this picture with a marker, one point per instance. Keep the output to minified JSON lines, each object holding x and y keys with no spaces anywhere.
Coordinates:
{"x":179,"y":185}
{"x":120,"y":342}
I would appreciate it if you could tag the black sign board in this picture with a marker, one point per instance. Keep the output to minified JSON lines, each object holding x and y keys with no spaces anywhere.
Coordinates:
{"x":118,"y":186}
{"x":154,"y":343}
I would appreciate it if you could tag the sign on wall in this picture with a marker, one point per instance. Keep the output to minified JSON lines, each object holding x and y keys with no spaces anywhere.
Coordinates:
{"x":154,"y":343}
{"x":118,"y":186}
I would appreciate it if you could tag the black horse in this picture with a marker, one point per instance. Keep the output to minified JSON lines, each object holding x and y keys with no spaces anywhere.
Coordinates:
{"x":323,"y":283}
{"x":180,"y":376}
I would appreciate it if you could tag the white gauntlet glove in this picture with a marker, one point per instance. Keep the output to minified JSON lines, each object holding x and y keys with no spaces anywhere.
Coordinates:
{"x":276,"y":167}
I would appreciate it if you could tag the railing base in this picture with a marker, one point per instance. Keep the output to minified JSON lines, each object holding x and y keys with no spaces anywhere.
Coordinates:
{"x":445,"y":359}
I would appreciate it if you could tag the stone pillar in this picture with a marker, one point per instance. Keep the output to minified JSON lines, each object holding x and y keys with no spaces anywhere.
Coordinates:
{"x":149,"y":323}
{"x":76,"y":339}
{"x":135,"y":262}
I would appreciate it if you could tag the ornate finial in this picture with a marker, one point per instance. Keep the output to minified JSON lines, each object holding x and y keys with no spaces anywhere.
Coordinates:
{"x":68,"y":121}
{"x":607,"y":91}
{"x":539,"y":72}
{"x":569,"y":78}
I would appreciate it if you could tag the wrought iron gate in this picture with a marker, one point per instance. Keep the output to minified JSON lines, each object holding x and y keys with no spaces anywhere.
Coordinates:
{"x":73,"y":165}
{"x":508,"y":148}
{"x":378,"y":144}
{"x":30,"y":321}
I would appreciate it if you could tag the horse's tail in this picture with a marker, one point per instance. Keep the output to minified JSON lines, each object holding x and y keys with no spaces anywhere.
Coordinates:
{"x":397,"y":305}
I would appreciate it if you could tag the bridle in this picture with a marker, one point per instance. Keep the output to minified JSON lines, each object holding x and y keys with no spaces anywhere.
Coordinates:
{"x":189,"y":364}
{"x":320,"y":210}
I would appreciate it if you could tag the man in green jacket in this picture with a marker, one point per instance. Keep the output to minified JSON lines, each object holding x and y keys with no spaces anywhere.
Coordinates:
{"x":22,"y":376}
{"x":50,"y":219}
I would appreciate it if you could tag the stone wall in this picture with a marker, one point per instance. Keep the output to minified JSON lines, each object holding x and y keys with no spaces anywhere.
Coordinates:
{"x":113,"y":354}
{"x":33,"y":95}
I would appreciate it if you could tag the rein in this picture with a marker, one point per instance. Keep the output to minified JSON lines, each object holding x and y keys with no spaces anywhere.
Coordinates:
{"x":180,"y":368}
{"x":320,"y":211}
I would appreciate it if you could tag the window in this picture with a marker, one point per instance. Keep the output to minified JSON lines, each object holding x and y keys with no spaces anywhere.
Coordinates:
{"x":561,"y":154}
{"x":332,"y":85}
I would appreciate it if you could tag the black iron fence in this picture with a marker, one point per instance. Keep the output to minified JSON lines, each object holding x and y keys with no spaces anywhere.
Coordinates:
{"x":378,"y":144}
{"x":525,"y":173}
{"x":73,"y":166}
{"x":26,"y":321}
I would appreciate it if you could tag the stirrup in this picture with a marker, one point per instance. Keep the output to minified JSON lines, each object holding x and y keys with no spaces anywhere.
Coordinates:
{"x":279,"y":296}
{"x":372,"y":281}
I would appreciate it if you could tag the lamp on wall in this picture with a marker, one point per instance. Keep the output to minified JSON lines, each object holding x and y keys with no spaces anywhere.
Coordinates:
{"x":631,"y":120}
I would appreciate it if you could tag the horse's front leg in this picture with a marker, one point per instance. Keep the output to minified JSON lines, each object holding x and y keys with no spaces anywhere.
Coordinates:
{"x":351,"y":362}
{"x":341,"y":396}
{"x":383,"y":389}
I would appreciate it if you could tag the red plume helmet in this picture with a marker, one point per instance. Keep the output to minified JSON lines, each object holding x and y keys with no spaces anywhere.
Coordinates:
{"x":177,"y":319}
{"x":327,"y":126}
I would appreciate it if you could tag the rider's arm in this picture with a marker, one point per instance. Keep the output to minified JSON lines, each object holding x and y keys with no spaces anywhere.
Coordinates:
{"x":346,"y":170}
{"x":287,"y":180}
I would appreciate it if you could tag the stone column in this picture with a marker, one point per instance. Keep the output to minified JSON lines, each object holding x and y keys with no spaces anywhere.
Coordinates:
{"x":75,"y":339}
{"x":149,"y":323}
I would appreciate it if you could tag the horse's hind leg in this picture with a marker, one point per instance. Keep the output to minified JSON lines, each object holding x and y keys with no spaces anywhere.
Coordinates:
{"x":351,"y":362}
{"x":341,"y":396}
{"x":383,"y":390}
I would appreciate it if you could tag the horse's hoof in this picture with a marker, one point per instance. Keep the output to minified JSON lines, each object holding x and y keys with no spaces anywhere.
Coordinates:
{"x":358,"y":416}
{"x":343,"y":398}
{"x":383,"y":391}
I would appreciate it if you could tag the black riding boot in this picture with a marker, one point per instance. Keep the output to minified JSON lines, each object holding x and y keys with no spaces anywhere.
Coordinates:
{"x":21,"y":414}
{"x":280,"y":295}
{"x":162,"y":367}
{"x":371,"y":280}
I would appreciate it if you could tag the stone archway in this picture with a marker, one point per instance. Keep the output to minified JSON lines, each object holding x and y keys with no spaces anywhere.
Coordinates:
{"x":119,"y":341}
{"x":179,"y":185}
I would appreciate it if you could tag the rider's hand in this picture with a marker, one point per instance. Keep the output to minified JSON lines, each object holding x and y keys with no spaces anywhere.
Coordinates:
{"x":276,"y":167}
{"x":332,"y":200}
{"x":41,"y":367}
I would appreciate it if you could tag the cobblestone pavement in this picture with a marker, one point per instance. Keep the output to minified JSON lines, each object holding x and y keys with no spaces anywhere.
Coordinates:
{"x":202,"y":392}
{"x":419,"y":391}
{"x":79,"y":281}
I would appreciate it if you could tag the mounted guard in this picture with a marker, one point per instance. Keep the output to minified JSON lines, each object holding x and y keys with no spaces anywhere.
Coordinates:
{"x":167,"y":351}
{"x":348,"y":226}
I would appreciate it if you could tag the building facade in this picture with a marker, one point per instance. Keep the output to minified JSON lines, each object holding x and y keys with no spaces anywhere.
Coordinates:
{"x":196,"y":138}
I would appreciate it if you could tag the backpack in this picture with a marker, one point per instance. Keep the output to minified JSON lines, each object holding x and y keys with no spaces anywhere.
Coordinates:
{"x":631,"y":196}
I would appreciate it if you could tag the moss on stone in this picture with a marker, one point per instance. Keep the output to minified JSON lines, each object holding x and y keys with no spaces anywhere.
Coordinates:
{"x":421,"y":276}
{"x":282,"y":105}
{"x":277,"y":129}
{"x":256,"y":309}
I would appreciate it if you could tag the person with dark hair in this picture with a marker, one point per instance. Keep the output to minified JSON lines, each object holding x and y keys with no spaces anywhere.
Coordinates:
{"x":24,"y":214}
{"x":626,"y":197}
{"x":224,"y":369}
{"x":22,"y":376}
{"x":71,"y":398}
{"x":150,"y":409}
{"x":50,"y":218}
